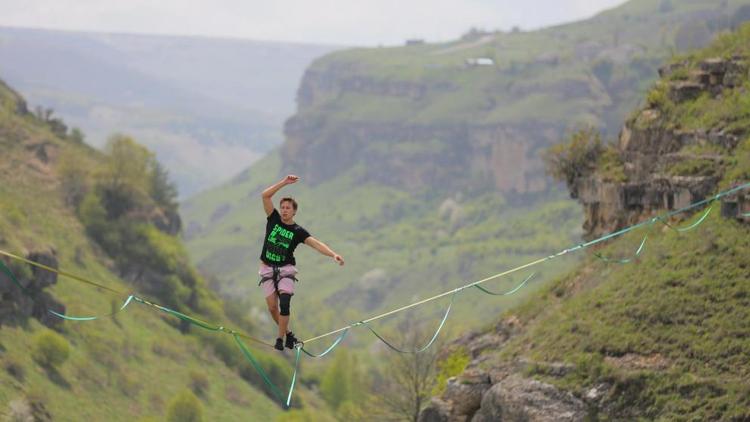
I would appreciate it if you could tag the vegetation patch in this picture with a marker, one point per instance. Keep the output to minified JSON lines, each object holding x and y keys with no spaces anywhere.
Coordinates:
{"x":50,"y":349}
{"x":451,"y":366}
{"x":694,"y":167}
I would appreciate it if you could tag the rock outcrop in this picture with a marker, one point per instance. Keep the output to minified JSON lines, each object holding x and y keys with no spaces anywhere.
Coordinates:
{"x":502,"y":393}
{"x":653,"y":150}
{"x":33,"y":300}
{"x":521,"y":399}
{"x":653,"y":153}
{"x":453,"y":156}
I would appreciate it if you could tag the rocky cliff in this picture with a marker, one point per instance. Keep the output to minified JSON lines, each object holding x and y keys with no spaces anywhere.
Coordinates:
{"x":412,"y":156}
{"x":17,"y":305}
{"x":593,"y":346}
{"x":34,"y":301}
{"x":428,"y":115}
{"x":667,"y":165}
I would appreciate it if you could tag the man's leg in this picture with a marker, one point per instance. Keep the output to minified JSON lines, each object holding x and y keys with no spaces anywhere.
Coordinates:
{"x":273,"y":307}
{"x":272,"y":301}
{"x":285,"y":299}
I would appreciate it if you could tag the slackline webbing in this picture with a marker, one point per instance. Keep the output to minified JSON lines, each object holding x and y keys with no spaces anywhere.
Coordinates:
{"x":662,"y":218}
{"x":299,"y":348}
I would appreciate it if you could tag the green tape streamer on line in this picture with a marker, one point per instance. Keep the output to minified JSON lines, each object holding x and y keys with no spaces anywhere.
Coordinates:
{"x":274,"y":389}
{"x":625,"y":260}
{"x":73,"y":318}
{"x":690,"y":227}
{"x":509,"y":292}
{"x":425,"y":347}
{"x":336,"y":342}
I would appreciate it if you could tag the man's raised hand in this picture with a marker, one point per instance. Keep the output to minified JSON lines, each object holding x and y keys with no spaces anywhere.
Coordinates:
{"x":291,"y":179}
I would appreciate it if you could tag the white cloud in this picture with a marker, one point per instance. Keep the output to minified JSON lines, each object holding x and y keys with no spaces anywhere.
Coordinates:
{"x":360,"y":22}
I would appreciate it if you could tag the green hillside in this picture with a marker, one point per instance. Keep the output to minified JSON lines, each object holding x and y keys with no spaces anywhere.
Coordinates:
{"x":484,"y":107}
{"x":664,"y":338}
{"x":592,"y":71}
{"x":130,"y":366}
{"x":424,"y":171}
{"x":397,"y":247}
{"x":394,"y":181}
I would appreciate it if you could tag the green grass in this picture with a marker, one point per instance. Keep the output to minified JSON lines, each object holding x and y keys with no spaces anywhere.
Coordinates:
{"x":490,"y":95}
{"x":685,"y":301}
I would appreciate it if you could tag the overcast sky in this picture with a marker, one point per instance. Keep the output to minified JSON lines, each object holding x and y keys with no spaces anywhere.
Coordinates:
{"x":348,"y":22}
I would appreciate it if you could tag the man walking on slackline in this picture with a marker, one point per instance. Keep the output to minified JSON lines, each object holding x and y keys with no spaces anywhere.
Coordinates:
{"x":277,"y":263}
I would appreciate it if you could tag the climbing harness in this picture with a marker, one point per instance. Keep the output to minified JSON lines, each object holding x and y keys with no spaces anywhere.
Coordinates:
{"x":276,"y":277}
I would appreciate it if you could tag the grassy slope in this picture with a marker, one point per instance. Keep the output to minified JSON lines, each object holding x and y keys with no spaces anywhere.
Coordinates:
{"x":114,"y":362}
{"x":683,"y":306}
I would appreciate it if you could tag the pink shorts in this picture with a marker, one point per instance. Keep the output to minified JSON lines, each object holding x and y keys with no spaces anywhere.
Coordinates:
{"x":286,"y":282}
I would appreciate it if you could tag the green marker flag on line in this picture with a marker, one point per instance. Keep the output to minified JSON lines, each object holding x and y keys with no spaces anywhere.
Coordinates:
{"x":72,"y":318}
{"x":432,"y":340}
{"x":509,"y":292}
{"x":274,"y":389}
{"x":690,"y":227}
{"x":624,"y":260}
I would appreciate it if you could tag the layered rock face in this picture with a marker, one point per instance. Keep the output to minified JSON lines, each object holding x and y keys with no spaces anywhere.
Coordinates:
{"x":323,"y":139}
{"x":453,"y":156}
{"x":651,"y":150}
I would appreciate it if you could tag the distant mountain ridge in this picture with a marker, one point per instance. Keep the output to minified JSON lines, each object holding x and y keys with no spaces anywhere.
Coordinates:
{"x":187,"y":98}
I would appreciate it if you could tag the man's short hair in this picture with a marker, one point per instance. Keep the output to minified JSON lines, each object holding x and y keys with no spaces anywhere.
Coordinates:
{"x":289,"y":199}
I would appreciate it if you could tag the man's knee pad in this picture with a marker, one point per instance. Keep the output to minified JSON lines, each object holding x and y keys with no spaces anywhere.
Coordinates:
{"x":284,"y":301}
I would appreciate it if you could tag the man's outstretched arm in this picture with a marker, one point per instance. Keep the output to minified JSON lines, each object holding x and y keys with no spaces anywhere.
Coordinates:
{"x":271,"y":190}
{"x":324,"y":249}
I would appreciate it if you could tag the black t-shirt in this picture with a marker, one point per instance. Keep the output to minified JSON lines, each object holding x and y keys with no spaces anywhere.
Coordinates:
{"x":281,"y":240}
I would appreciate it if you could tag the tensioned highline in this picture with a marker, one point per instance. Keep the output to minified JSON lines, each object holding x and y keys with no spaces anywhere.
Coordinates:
{"x":300,"y":348}
{"x":661,"y":218}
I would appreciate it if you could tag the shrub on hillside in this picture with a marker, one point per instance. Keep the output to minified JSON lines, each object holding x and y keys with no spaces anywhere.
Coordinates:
{"x":50,"y":349}
{"x":223,"y":347}
{"x":338,"y":384}
{"x":185,"y":407}
{"x":452,"y":365}
{"x":74,"y":178}
{"x":574,"y":158}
